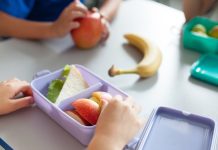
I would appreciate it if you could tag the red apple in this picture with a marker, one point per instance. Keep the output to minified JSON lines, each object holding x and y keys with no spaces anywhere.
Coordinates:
{"x":91,"y":31}
{"x":75,"y":115}
{"x":87,"y":109}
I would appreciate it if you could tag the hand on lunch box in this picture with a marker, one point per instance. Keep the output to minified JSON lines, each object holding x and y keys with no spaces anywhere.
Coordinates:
{"x":9,"y":89}
{"x":117,"y":125}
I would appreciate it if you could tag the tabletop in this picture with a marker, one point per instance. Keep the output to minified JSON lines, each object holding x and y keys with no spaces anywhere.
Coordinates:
{"x":172,"y":86}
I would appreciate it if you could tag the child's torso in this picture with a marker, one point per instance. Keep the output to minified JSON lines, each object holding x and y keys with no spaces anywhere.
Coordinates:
{"x":49,"y":10}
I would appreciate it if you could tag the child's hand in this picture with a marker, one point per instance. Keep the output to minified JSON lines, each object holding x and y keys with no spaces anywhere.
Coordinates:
{"x":105,"y":25}
{"x":106,"y":31}
{"x":117,"y":125}
{"x":8,"y":90}
{"x":65,"y":23}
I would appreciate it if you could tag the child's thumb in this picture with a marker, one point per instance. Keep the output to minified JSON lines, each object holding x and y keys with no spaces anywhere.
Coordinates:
{"x":23,"y":102}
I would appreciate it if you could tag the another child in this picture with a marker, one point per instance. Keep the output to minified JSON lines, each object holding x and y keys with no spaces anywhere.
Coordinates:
{"x":45,"y":19}
{"x":118,"y":123}
{"x":194,"y":8}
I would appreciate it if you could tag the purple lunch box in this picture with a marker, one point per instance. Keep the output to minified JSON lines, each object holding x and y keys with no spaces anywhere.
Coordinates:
{"x":40,"y":88}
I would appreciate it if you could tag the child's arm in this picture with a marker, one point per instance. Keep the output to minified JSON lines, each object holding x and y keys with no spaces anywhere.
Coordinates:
{"x":19,"y":28}
{"x":118,"y":123}
{"x":8,"y":90}
{"x":109,"y":9}
{"x":194,"y":8}
{"x":207,"y":5}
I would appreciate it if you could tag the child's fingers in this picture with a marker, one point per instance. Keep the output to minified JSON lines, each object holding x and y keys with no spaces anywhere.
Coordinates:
{"x":81,"y":9}
{"x":12,"y":80}
{"x":106,"y":31}
{"x":129,"y":100}
{"x":24,"y":88}
{"x":104,"y":104}
{"x":22,"y":103}
{"x":74,"y":25}
{"x":18,"y":86}
{"x":75,"y":15}
{"x":133,"y":105}
{"x":136,"y":108}
{"x":95,"y":9}
{"x":143,"y":121}
{"x":27,"y":90}
{"x":78,"y":7}
{"x":118,"y":98}
{"x":112,"y":102}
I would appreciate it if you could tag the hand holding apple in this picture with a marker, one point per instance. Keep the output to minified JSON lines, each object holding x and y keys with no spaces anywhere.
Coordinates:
{"x":118,"y":123}
{"x":64,"y":24}
{"x":93,"y":29}
{"x":102,"y":98}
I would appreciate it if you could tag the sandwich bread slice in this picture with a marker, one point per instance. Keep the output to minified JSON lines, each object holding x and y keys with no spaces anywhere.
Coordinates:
{"x":73,"y":85}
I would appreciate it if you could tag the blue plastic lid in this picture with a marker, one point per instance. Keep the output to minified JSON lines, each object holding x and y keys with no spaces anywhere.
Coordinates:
{"x":171,"y":129}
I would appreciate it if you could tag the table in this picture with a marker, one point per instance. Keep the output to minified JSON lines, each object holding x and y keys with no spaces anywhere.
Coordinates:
{"x":172,"y":86}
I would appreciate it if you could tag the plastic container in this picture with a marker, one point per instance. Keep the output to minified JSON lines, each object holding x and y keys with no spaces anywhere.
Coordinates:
{"x":199,"y":43}
{"x":206,"y":69}
{"x":164,"y":127}
{"x":170,"y":129}
{"x":40,"y":85}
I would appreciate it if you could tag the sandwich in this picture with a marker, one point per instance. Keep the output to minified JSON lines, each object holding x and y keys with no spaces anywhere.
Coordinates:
{"x":70,"y":83}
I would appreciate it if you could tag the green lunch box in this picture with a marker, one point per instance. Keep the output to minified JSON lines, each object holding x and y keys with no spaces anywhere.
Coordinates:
{"x":206,"y":69}
{"x":199,"y":43}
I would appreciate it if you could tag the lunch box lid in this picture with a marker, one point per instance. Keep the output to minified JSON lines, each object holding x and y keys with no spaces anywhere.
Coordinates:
{"x":171,"y":129}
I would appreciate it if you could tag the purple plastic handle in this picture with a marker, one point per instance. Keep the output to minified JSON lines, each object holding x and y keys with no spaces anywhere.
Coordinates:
{"x":41,"y":73}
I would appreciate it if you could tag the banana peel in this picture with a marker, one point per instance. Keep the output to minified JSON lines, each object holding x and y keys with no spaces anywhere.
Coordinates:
{"x":150,"y":62}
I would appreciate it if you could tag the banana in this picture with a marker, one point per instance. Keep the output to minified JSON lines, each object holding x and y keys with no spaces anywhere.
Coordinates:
{"x":150,"y":63}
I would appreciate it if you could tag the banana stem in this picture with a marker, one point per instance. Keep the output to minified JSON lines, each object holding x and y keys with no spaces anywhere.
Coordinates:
{"x":113,"y":71}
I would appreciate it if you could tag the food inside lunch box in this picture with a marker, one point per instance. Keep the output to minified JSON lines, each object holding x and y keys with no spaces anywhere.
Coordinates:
{"x":68,"y":84}
{"x":87,"y":110}
{"x":201,"y":30}
{"x":201,"y":34}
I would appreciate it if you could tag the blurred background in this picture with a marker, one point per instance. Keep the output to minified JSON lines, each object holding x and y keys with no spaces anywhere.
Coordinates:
{"x":172,"y":3}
